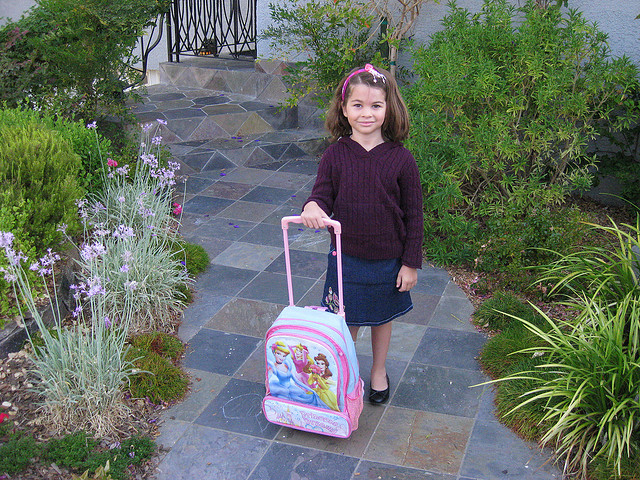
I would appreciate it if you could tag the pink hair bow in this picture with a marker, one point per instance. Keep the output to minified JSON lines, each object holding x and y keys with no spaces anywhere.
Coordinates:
{"x":367,"y":68}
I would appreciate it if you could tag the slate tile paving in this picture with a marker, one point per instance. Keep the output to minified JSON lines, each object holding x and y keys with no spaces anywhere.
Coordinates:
{"x":435,"y":427}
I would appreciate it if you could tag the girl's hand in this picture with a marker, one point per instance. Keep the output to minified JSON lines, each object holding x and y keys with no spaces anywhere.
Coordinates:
{"x":407,"y":278}
{"x":312,"y":215}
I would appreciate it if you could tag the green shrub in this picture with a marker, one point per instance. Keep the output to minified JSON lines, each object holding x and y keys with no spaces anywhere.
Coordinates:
{"x":332,"y":36}
{"x":38,"y":176}
{"x":87,"y":143}
{"x":502,"y":351}
{"x":510,"y":245}
{"x":70,"y":451}
{"x":163,"y":344}
{"x":17,"y":453}
{"x":504,"y":131}
{"x":159,"y":380}
{"x":619,"y":157}
{"x":195,"y":257}
{"x":73,"y":59}
{"x":39,"y":170}
{"x":497,"y":312}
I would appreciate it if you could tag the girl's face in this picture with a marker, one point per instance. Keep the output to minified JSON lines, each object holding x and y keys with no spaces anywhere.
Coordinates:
{"x":322,"y":365}
{"x":365,"y":110}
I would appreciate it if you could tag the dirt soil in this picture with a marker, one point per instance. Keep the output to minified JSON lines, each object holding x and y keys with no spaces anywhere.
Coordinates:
{"x":23,"y":407}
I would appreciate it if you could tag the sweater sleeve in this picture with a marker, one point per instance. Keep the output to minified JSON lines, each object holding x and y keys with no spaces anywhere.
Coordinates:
{"x":413,"y":214}
{"x":323,"y":192}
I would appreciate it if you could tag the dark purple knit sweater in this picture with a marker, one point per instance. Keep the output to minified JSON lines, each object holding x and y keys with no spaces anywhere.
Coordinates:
{"x":376,"y":196}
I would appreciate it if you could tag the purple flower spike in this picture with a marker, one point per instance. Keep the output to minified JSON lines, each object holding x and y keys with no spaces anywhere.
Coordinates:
{"x":230,"y":223}
{"x":222,"y":174}
{"x":317,"y":231}
{"x":293,"y":196}
{"x":236,"y":226}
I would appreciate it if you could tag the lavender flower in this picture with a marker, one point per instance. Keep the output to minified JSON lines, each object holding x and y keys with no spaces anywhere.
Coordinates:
{"x":89,"y":252}
{"x":8,"y":276}
{"x":6,"y":239}
{"x":123,"y":232}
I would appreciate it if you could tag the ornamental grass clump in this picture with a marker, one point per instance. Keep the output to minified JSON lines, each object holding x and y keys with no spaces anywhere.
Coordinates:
{"x":589,"y":377}
{"x":590,"y":384}
{"x":140,"y":199}
{"x":81,"y":369}
{"x":129,"y":234}
{"x":140,"y":267}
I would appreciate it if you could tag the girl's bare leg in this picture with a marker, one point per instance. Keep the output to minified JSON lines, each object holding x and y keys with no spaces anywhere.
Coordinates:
{"x":354,"y":333}
{"x":380,"y":339}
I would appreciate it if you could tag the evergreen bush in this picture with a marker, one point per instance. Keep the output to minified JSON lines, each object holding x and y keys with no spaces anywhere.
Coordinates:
{"x":87,"y":143}
{"x":325,"y":39}
{"x":505,"y":130}
{"x":39,"y":170}
{"x":73,"y":59}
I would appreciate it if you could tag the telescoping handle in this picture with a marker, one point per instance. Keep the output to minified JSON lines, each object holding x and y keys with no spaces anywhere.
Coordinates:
{"x":337,"y":229}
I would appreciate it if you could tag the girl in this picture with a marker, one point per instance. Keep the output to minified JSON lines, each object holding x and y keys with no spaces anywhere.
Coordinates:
{"x":370,"y":183}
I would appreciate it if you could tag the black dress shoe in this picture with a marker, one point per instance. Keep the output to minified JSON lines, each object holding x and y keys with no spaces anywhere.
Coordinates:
{"x":378,"y":397}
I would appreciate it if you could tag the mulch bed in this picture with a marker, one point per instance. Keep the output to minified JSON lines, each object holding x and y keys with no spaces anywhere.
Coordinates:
{"x":23,"y":407}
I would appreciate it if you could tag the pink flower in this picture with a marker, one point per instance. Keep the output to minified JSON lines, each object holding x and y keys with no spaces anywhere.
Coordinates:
{"x":3,"y":417}
{"x":178,"y":209}
{"x":111,"y":162}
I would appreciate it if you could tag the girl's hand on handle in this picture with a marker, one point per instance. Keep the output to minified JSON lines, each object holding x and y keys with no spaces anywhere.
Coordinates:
{"x":312,"y":215}
{"x":407,"y":278}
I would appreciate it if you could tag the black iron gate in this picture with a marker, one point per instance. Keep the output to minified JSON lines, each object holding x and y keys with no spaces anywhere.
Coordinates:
{"x":211,"y":27}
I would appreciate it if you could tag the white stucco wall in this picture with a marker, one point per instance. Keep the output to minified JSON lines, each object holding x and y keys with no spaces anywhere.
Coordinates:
{"x":13,"y":9}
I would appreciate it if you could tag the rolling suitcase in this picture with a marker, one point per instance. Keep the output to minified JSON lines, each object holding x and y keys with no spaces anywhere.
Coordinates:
{"x":312,"y":377}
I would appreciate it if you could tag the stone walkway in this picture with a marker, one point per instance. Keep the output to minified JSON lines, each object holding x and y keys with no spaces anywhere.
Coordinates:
{"x":240,"y":183}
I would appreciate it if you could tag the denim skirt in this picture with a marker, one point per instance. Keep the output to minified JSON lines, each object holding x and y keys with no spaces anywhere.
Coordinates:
{"x":370,"y":294}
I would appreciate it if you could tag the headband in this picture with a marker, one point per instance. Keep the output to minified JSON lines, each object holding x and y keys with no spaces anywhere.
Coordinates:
{"x":367,"y":68}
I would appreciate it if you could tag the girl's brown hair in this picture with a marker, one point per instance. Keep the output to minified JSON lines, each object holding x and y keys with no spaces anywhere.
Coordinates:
{"x":396,"y":123}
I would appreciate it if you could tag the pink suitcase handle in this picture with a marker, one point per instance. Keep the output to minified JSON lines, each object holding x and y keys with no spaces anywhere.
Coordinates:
{"x":337,"y":228}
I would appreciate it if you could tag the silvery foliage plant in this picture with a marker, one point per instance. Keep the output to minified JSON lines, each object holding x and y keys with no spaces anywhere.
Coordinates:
{"x":80,"y":369}
{"x":129,"y":231}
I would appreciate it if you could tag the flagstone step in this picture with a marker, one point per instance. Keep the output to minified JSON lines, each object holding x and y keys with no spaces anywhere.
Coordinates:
{"x":261,"y":79}
{"x":194,"y":114}
{"x":218,"y":114}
